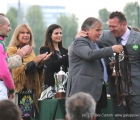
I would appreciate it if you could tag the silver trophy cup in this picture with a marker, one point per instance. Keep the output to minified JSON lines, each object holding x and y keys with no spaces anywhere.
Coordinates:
{"x":60,"y":79}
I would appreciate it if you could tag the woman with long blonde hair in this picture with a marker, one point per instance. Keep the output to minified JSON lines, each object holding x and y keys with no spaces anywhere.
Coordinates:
{"x":29,"y":75}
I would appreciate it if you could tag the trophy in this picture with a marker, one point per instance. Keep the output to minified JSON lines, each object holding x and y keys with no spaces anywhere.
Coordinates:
{"x":121,"y":57}
{"x":60,"y":79}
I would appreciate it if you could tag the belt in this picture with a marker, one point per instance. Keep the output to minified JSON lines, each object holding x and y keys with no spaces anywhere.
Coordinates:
{"x":1,"y":79}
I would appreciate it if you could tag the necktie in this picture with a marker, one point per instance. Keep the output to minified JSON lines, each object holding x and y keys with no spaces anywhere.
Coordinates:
{"x":104,"y":66}
{"x":119,"y":39}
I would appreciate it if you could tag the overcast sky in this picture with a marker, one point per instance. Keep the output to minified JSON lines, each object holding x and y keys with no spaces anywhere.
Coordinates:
{"x":82,"y":8}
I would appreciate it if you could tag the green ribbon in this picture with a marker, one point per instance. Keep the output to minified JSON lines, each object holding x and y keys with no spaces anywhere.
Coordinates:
{"x":5,"y":49}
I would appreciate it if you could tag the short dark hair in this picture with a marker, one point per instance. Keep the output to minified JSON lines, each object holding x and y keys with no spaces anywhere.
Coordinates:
{"x":2,"y":18}
{"x":9,"y":110}
{"x":118,"y":15}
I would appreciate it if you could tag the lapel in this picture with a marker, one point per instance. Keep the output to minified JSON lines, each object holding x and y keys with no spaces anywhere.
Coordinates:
{"x":92,"y":46}
{"x":90,"y":43}
{"x":131,"y":37}
{"x":63,"y":52}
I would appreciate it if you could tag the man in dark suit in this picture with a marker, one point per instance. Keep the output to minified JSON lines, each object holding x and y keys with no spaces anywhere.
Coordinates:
{"x":131,"y":40}
{"x":86,"y":70}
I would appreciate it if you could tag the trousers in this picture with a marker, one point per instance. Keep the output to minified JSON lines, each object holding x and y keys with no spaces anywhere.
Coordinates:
{"x":3,"y":91}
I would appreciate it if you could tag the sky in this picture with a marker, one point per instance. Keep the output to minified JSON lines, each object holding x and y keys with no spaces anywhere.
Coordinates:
{"x":81,"y":8}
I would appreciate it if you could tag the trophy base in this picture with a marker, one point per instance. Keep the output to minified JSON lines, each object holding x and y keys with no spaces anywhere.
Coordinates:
{"x":60,"y":95}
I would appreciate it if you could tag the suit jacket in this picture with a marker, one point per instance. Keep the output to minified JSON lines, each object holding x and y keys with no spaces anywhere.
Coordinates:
{"x":53,"y":64}
{"x":107,"y":39}
{"x":85,"y":68}
{"x":14,"y":61}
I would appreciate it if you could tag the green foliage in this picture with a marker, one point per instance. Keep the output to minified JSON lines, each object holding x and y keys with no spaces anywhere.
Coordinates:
{"x":12,"y":16}
{"x":69,"y":24}
{"x":34,"y":18}
{"x":131,"y":14}
{"x":103,"y":16}
{"x":131,"y":11}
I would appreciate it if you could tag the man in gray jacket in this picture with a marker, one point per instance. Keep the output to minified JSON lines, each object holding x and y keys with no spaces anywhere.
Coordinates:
{"x":131,"y":40}
{"x":86,"y":68}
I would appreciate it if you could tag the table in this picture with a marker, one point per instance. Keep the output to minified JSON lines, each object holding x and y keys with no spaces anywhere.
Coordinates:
{"x":51,"y":109}
{"x":107,"y":113}
{"x":54,"y":109}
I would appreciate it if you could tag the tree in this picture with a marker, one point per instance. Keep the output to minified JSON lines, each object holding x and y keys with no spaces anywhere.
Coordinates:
{"x":103,"y":16}
{"x":34,"y":18}
{"x":12,"y":16}
{"x":131,"y":14}
{"x":69,"y":24}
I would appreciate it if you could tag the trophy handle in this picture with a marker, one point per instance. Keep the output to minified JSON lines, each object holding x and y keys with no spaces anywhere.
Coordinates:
{"x":66,"y":78}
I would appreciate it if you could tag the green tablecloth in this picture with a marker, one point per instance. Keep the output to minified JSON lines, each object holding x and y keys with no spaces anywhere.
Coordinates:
{"x":51,"y":109}
{"x":107,"y":113}
{"x":54,"y":109}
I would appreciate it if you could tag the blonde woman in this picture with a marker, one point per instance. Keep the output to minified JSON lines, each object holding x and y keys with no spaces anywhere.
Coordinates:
{"x":29,"y":75}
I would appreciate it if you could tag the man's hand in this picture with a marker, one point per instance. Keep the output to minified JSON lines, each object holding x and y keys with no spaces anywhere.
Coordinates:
{"x":117,"y":48}
{"x":81,"y":33}
{"x":23,"y":51}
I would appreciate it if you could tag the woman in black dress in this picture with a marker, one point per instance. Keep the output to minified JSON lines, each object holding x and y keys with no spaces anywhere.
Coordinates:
{"x":59,"y":58}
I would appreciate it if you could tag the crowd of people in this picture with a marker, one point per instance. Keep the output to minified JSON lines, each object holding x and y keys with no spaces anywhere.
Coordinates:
{"x":86,"y":61}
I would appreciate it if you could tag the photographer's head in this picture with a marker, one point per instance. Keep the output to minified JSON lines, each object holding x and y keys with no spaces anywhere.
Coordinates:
{"x":9,"y":111}
{"x":80,"y":106}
